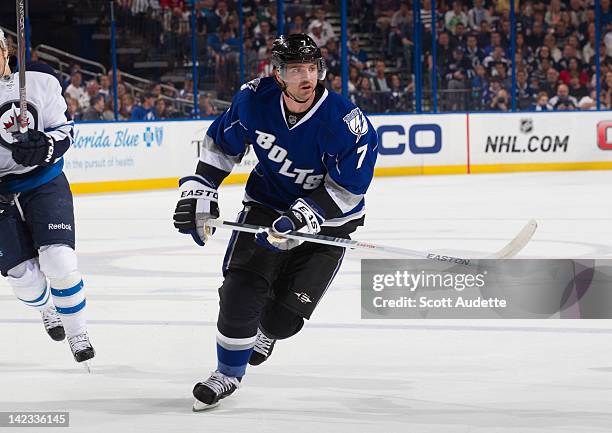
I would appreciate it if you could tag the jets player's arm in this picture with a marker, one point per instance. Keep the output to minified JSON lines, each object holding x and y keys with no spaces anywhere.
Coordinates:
{"x":56,"y":126}
{"x":44,"y":147}
{"x":349,"y":174}
{"x":224,"y":145}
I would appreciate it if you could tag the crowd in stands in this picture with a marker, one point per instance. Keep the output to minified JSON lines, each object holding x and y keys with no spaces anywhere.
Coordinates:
{"x":554,"y":61}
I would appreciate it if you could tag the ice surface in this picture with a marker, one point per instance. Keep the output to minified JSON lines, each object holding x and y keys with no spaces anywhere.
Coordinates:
{"x":152,"y":306}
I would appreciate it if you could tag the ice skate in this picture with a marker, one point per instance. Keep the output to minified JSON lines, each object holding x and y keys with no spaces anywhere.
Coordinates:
{"x":81,"y":348}
{"x":209,"y":393}
{"x":53,"y":324}
{"x":262,"y":349}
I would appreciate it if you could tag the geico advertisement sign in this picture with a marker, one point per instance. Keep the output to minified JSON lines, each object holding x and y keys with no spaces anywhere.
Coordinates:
{"x":414,"y":140}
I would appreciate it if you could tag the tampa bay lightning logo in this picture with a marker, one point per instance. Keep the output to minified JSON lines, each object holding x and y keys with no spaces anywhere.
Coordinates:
{"x":10,"y":118}
{"x":357,"y":123}
{"x":251,"y":85}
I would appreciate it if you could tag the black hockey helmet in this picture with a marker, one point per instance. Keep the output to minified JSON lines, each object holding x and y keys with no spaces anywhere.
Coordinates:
{"x":297,"y":48}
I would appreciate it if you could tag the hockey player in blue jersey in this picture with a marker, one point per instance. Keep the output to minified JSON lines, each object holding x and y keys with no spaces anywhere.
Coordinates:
{"x":316,"y":153}
{"x":36,"y":212}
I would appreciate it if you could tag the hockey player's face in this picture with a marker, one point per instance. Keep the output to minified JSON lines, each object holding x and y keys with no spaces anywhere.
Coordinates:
{"x":301,"y":79}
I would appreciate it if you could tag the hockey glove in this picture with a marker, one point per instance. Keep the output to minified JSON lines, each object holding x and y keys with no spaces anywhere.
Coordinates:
{"x":33,"y":148}
{"x":197,"y":204}
{"x":301,"y":217}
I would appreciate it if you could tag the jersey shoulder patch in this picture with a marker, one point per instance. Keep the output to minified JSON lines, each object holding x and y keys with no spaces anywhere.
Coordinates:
{"x":252,"y":85}
{"x":356,"y":123}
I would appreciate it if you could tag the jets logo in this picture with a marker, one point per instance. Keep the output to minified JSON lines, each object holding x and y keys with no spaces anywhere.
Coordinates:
{"x":303,"y":298}
{"x":357,"y":123}
{"x":10,"y":118}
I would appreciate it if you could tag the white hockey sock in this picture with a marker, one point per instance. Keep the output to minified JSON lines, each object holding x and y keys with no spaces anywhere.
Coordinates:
{"x":30,"y":285}
{"x":69,"y":299}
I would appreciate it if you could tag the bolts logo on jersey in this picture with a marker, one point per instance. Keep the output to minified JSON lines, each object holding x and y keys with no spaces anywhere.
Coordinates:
{"x":357,"y":123}
{"x":10,"y":118}
{"x":278,"y":154}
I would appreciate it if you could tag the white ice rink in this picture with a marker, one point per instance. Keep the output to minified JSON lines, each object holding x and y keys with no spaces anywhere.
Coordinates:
{"x":152,"y":307}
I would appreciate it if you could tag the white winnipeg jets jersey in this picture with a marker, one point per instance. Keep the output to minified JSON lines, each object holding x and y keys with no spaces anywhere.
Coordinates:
{"x":46,"y":112}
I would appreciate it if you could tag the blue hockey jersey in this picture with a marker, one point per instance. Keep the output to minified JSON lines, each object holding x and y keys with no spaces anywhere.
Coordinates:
{"x":328,"y":156}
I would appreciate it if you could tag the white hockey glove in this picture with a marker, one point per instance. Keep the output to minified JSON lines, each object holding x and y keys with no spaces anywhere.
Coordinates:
{"x":301,"y":217}
{"x":198,"y":203}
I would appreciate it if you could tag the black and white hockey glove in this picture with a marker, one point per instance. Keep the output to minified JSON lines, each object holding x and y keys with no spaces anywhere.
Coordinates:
{"x":198,"y":203}
{"x":34,"y":148}
{"x":301,"y":217}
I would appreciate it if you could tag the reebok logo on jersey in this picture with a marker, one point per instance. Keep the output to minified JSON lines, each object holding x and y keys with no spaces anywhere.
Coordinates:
{"x":60,"y":226}
{"x":357,"y":123}
{"x":303,"y":297}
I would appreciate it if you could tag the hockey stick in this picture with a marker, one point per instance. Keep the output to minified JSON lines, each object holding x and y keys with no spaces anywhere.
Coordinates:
{"x":23,"y":103}
{"x":509,"y":250}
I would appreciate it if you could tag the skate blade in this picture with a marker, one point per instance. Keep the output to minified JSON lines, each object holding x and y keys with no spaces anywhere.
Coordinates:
{"x":198,"y":406}
{"x":86,"y":366}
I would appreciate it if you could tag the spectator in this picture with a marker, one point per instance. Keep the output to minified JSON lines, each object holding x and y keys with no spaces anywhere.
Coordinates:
{"x":550,"y":85}
{"x":474,"y":54}
{"x":500,"y":101}
{"x":379,"y":81}
{"x":297,"y":25}
{"x":577,"y":89}
{"x":524,"y":92}
{"x":400,"y":45}
{"x":357,"y":55}
{"x":397,"y":100}
{"x":484,"y":35}
{"x":588,"y":102}
{"x":327,"y":29}
{"x":160,"y":109}
{"x":336,"y":84}
{"x":478,"y":14}
{"x":364,"y":97}
{"x":563,"y":100}
{"x":574,"y":70}
{"x":316,"y":33}
{"x":126,"y":106}
{"x":146,"y":109}
{"x":105,"y":86}
{"x":542,"y":103}
{"x":553,"y":15}
{"x":458,"y":74}
{"x":354,"y":79}
{"x":73,"y":108}
{"x":75,"y":89}
{"x":92,"y":89}
{"x":109,"y":111}
{"x":444,"y":50}
{"x":455,"y":16}
{"x":95,"y":110}
{"x":535,"y":35}
{"x":459,"y":37}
